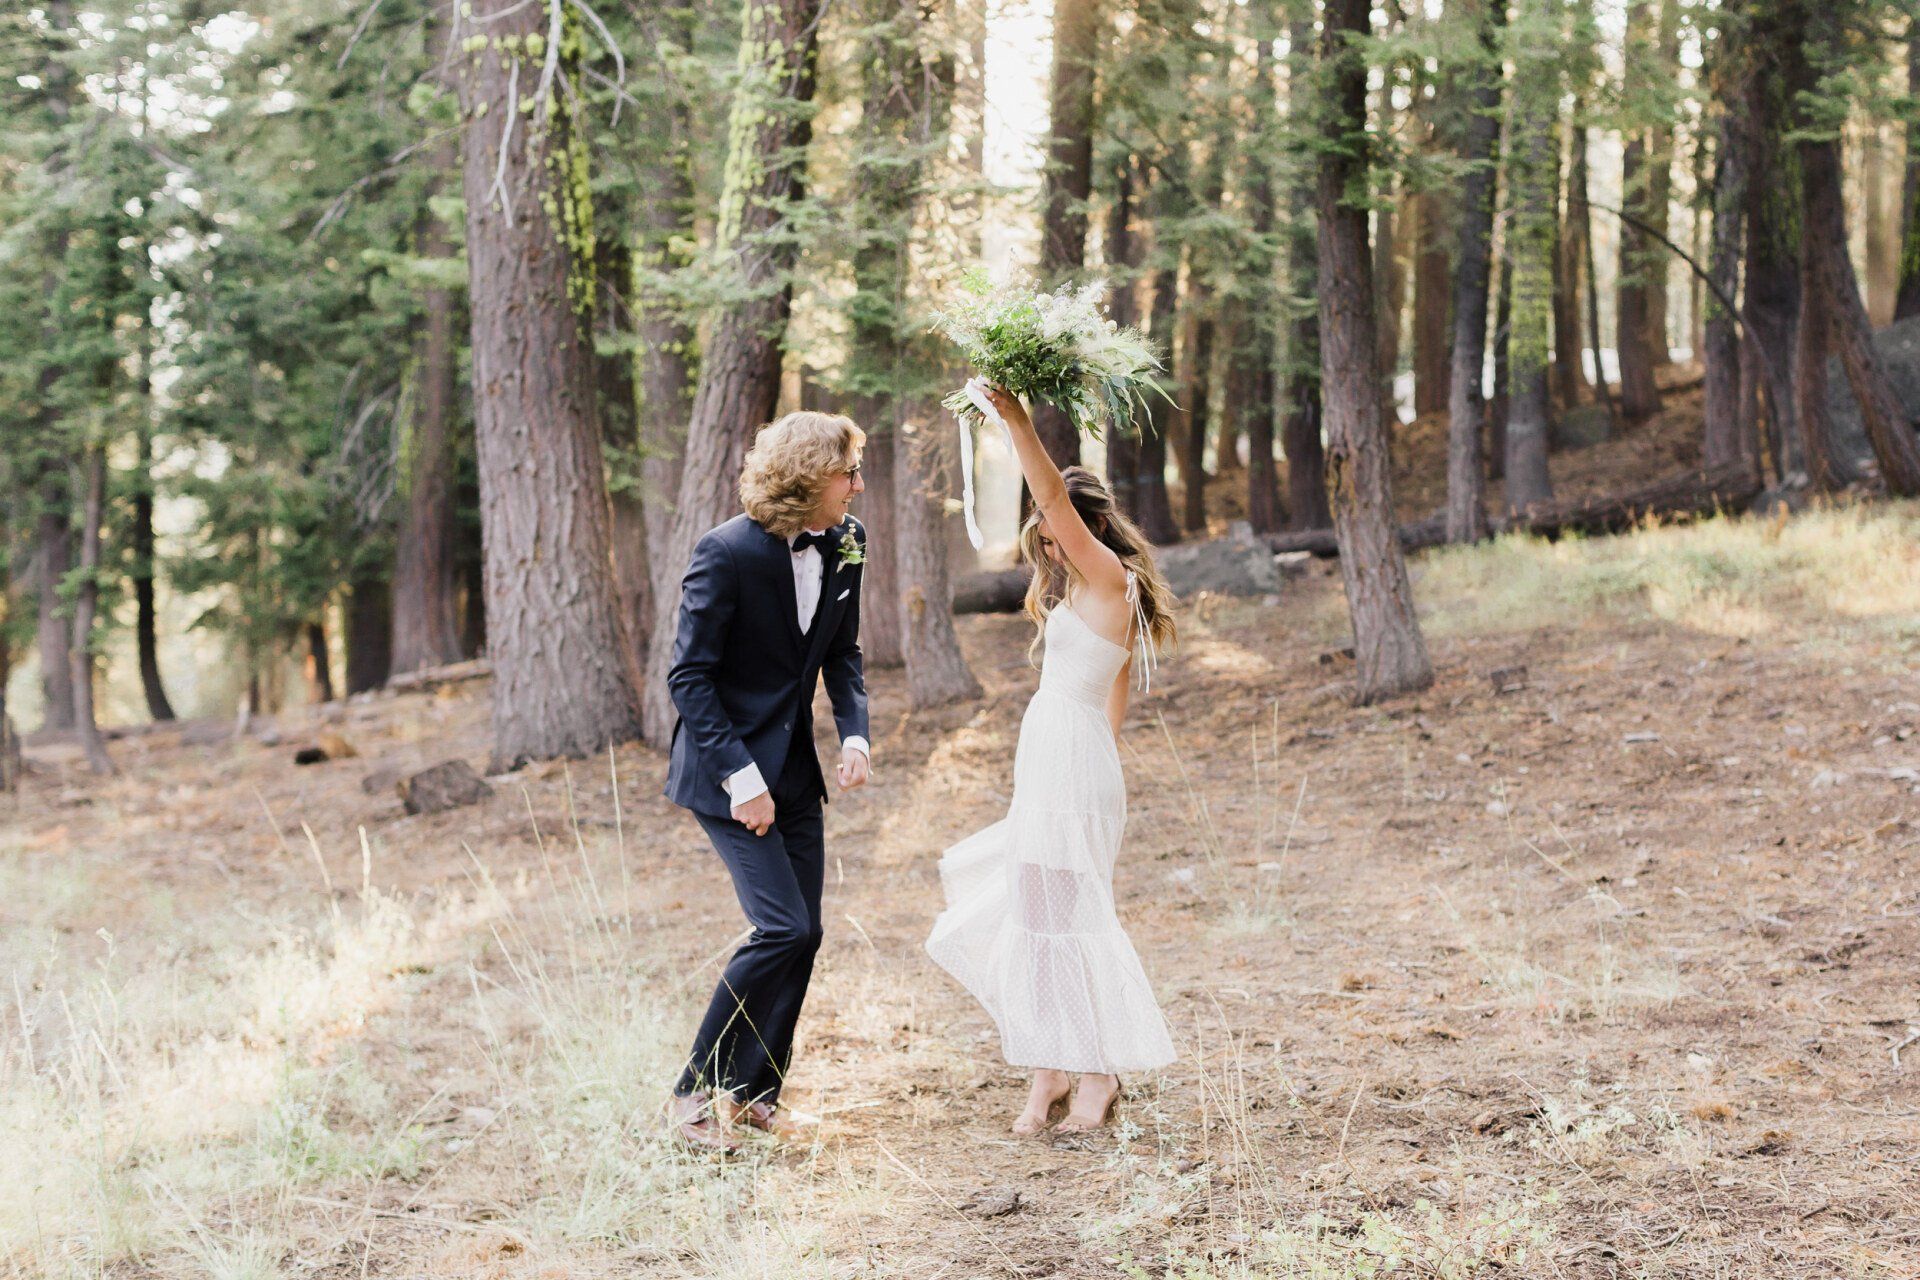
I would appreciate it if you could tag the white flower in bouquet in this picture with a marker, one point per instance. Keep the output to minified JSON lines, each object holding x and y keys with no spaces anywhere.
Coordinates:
{"x":1060,"y":347}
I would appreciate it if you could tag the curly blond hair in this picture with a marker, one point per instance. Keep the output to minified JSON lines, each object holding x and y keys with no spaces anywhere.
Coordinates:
{"x":790,"y":464}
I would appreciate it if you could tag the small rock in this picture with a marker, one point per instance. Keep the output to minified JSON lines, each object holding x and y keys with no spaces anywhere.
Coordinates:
{"x":1508,"y":679}
{"x":448,"y":785}
{"x":1641,"y":737}
{"x":1827,"y":779}
{"x":1332,"y":656}
{"x":336,"y":746}
{"x":381,"y":779}
{"x":998,"y":1204}
{"x":1497,"y":808}
{"x":310,"y":755}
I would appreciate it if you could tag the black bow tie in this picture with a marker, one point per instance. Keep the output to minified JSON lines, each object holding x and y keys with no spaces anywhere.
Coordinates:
{"x":820,"y":541}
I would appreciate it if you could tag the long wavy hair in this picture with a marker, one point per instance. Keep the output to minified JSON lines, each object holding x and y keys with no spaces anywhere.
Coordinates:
{"x":790,"y":464}
{"x":1053,"y":579}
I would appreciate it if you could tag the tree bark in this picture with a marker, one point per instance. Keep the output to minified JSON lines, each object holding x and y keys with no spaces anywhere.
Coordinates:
{"x":617,"y":405}
{"x":1152,"y":508}
{"x":1582,"y":173}
{"x":1771,"y":274}
{"x":1196,"y":412}
{"x":319,"y":664}
{"x":1907,"y":301}
{"x":1534,"y":166}
{"x":1725,"y":442}
{"x":1068,"y":180}
{"x":1500,"y":407}
{"x":1639,"y":261}
{"x":368,"y":612}
{"x":426,"y":577}
{"x":426,"y":574}
{"x":1390,"y":653}
{"x":1466,"y":404}
{"x":560,"y":685}
{"x":739,"y":383}
{"x":1824,"y":245}
{"x":1569,"y":380}
{"x":86,"y":598}
{"x":1432,"y":306}
{"x":668,"y":342}
{"x":1390,"y":280}
{"x":937,"y":672}
{"x":1255,"y":350}
{"x":1307,"y":503}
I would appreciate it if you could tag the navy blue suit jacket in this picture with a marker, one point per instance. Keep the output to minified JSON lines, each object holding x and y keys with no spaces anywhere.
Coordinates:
{"x":744,"y":674}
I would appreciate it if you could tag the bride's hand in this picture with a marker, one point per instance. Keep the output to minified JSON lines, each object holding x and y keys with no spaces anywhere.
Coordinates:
{"x":1008,"y":406}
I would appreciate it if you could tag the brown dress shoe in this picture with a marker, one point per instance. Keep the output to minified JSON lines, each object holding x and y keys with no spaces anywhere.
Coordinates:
{"x":697,"y":1128}
{"x":769,"y":1118}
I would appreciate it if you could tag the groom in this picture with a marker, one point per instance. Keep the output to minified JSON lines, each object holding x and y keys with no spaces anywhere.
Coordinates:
{"x":770,"y":603}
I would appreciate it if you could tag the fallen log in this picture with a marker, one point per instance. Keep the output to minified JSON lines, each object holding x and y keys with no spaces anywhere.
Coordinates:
{"x":427,"y":678}
{"x":1687,"y":493}
{"x":994,"y":591}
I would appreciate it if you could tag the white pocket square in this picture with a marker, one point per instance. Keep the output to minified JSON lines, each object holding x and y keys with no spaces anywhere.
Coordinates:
{"x":843,"y":595}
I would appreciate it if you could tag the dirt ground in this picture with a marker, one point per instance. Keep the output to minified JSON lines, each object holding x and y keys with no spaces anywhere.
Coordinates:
{"x":1601,"y":968}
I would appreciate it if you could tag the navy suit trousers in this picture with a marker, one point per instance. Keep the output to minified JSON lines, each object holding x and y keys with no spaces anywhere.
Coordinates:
{"x":745,"y":1040}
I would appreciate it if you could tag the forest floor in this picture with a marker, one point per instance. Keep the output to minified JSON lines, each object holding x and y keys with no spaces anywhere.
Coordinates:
{"x":1600,"y":968}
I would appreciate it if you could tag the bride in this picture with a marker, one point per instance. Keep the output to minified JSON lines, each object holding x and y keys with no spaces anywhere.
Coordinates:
{"x":1030,"y":927}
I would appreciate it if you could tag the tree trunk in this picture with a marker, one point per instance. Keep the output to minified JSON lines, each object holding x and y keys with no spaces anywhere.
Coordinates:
{"x":618,"y":406}
{"x":368,"y":619}
{"x":739,"y":384}
{"x":1659,"y":167}
{"x":146,"y":624}
{"x":1824,"y":243}
{"x":554,"y":636}
{"x":1390,"y":290}
{"x":1907,"y":301}
{"x":1582,"y":172}
{"x":1300,"y":440}
{"x":426,"y":576}
{"x":1725,"y":442}
{"x":86,"y":599}
{"x":1194,"y":396}
{"x":319,"y":664}
{"x":1639,"y":263}
{"x":1255,"y":349}
{"x":668,"y":341}
{"x":1771,"y":275}
{"x":1390,"y":655}
{"x":1826,"y":469}
{"x":1432,"y":306}
{"x":1569,"y":380}
{"x":1881,"y":266}
{"x":1068,"y":180}
{"x":1123,"y":257}
{"x":937,"y":671}
{"x":1152,"y":508}
{"x":1466,"y":406}
{"x":1500,"y":407}
{"x":1639,"y":394}
{"x":1534,"y":165}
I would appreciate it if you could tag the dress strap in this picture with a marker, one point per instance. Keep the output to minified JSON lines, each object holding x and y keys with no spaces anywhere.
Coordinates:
{"x":1145,"y":651}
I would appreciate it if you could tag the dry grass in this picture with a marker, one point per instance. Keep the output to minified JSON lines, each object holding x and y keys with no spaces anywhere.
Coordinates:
{"x":1598,"y":977}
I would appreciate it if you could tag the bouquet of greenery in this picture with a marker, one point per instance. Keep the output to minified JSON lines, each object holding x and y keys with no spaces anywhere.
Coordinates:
{"x":1058,"y":347}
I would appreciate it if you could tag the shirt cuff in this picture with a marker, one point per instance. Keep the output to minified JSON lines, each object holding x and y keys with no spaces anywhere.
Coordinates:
{"x":859,"y":744}
{"x":745,"y":785}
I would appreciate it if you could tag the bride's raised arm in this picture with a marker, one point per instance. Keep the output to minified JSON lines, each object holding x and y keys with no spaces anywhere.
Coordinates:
{"x":1094,"y":560}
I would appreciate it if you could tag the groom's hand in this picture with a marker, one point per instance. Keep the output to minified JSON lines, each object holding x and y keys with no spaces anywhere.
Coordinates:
{"x":756,"y":814}
{"x":854,"y":768}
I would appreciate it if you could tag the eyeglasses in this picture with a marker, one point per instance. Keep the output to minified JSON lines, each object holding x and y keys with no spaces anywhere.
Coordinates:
{"x":853,"y":471}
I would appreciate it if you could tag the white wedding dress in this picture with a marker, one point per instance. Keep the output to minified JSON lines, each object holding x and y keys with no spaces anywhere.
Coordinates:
{"x":1030,"y":927}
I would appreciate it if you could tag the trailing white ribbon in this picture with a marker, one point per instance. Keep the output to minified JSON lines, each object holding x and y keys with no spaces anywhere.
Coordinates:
{"x":1143,"y":636}
{"x":977,"y":393}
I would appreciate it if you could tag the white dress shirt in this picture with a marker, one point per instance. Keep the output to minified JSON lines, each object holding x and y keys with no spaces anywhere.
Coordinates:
{"x":809,"y":571}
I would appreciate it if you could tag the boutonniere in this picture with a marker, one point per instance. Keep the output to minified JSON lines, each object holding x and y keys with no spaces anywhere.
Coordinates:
{"x":851,"y":552}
